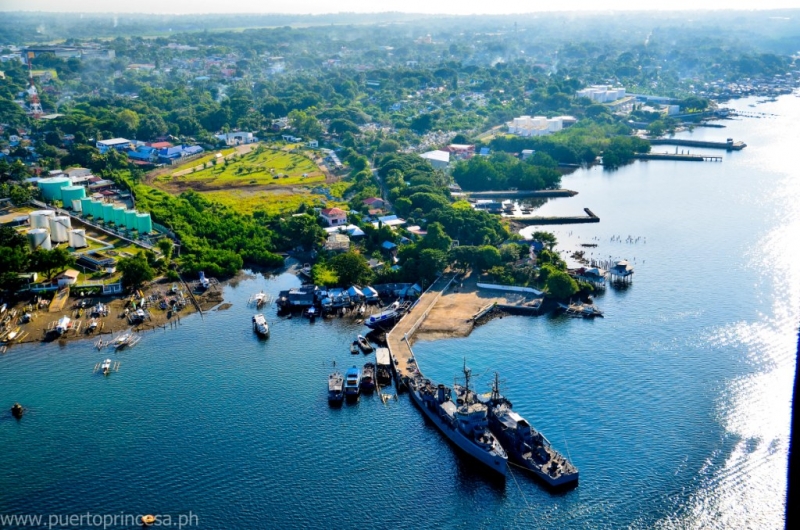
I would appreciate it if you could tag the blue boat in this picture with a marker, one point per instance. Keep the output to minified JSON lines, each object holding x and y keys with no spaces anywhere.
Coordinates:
{"x":352,"y":382}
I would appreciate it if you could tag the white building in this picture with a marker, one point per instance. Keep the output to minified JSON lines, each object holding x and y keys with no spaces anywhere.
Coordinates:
{"x":236,"y":138}
{"x":438,"y":159}
{"x":535,"y":126}
{"x":601,"y":93}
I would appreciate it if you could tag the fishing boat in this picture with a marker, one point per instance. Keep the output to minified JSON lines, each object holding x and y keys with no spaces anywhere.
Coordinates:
{"x":64,"y":323}
{"x":92,"y":327}
{"x":125,"y":340}
{"x":386,"y":319}
{"x":311,"y":313}
{"x":335,"y":388}
{"x":364,"y":344}
{"x":368,"y":377}
{"x":260,"y":325}
{"x":526,"y":446}
{"x":352,"y":382}
{"x":465,"y":424}
{"x":384,"y":366}
{"x":354,"y":347}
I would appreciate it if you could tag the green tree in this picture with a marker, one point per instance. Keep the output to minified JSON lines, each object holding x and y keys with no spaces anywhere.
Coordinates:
{"x":351,"y":268}
{"x":548,"y":239}
{"x":560,"y":285}
{"x":322,"y":274}
{"x":166,"y":246}
{"x":303,"y":230}
{"x":50,"y":261}
{"x":436,"y":238}
{"x":135,"y":271}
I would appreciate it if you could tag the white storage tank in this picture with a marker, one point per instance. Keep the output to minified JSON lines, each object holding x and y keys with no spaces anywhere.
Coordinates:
{"x":77,"y":238}
{"x":77,"y":205}
{"x":39,"y":238}
{"x":41,"y":218}
{"x":59,"y":228}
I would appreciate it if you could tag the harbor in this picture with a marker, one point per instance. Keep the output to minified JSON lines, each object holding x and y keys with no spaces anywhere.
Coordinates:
{"x":599,"y":389}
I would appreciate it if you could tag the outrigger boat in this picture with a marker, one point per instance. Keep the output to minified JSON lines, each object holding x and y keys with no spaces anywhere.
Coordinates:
{"x":107,"y":366}
{"x":125,"y":340}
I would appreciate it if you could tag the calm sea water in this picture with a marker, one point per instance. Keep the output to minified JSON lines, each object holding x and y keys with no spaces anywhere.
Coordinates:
{"x":675,"y":407}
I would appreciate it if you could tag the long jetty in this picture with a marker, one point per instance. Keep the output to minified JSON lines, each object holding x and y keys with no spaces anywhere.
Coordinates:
{"x":531,"y":220}
{"x":728,"y":145}
{"x":398,"y":340}
{"x":681,"y":157}
{"x":511,"y":194}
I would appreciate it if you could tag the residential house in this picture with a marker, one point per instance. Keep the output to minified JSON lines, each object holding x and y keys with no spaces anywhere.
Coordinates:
{"x":337,"y":243}
{"x":333,"y":216}
{"x":374,"y":202}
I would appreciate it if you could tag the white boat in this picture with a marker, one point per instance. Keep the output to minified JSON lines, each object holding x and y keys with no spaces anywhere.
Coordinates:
{"x":106,"y":367}
{"x":259,"y":299}
{"x":260,"y":325}
{"x":127,"y":339}
{"x":63,"y":324}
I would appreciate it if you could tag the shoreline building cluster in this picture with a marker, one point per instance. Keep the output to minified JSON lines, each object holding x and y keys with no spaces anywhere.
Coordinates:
{"x":538,"y":125}
{"x":602,"y":93}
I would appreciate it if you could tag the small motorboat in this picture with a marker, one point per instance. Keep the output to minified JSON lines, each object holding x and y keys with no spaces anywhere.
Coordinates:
{"x":17,"y":410}
{"x":260,"y":325}
{"x":354,"y":347}
{"x":364,"y":344}
{"x":311,"y":313}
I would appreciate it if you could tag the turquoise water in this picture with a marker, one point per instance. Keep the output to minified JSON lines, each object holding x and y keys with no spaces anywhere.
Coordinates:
{"x":675,"y":407}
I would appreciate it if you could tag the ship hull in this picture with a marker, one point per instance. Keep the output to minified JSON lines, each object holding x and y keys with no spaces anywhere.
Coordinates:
{"x":496,"y":464}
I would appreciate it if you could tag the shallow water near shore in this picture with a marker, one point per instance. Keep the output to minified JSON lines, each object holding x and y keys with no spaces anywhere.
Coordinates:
{"x":675,"y":406}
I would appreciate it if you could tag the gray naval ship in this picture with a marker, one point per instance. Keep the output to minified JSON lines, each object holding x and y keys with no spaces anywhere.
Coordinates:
{"x":465,"y":424}
{"x":526,"y":446}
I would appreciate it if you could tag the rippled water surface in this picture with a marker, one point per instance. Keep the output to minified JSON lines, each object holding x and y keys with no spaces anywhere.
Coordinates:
{"x":675,"y":407}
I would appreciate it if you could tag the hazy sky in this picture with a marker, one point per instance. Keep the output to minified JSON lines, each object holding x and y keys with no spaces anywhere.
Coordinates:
{"x":465,"y":7}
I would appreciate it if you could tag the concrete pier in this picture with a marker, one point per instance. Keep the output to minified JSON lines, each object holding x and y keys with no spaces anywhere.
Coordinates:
{"x":678,"y":156}
{"x":728,"y":145}
{"x":534,"y":220}
{"x":398,"y":339}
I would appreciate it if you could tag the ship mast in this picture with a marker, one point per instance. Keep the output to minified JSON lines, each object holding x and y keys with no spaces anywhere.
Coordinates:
{"x":467,"y":374}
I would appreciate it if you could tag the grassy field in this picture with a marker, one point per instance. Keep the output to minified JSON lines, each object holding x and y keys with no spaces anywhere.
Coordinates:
{"x":272,"y":202}
{"x":268,"y":179}
{"x":262,"y":168}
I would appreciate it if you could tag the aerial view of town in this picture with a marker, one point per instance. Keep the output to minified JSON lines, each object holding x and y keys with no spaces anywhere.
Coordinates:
{"x":398,"y":266}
